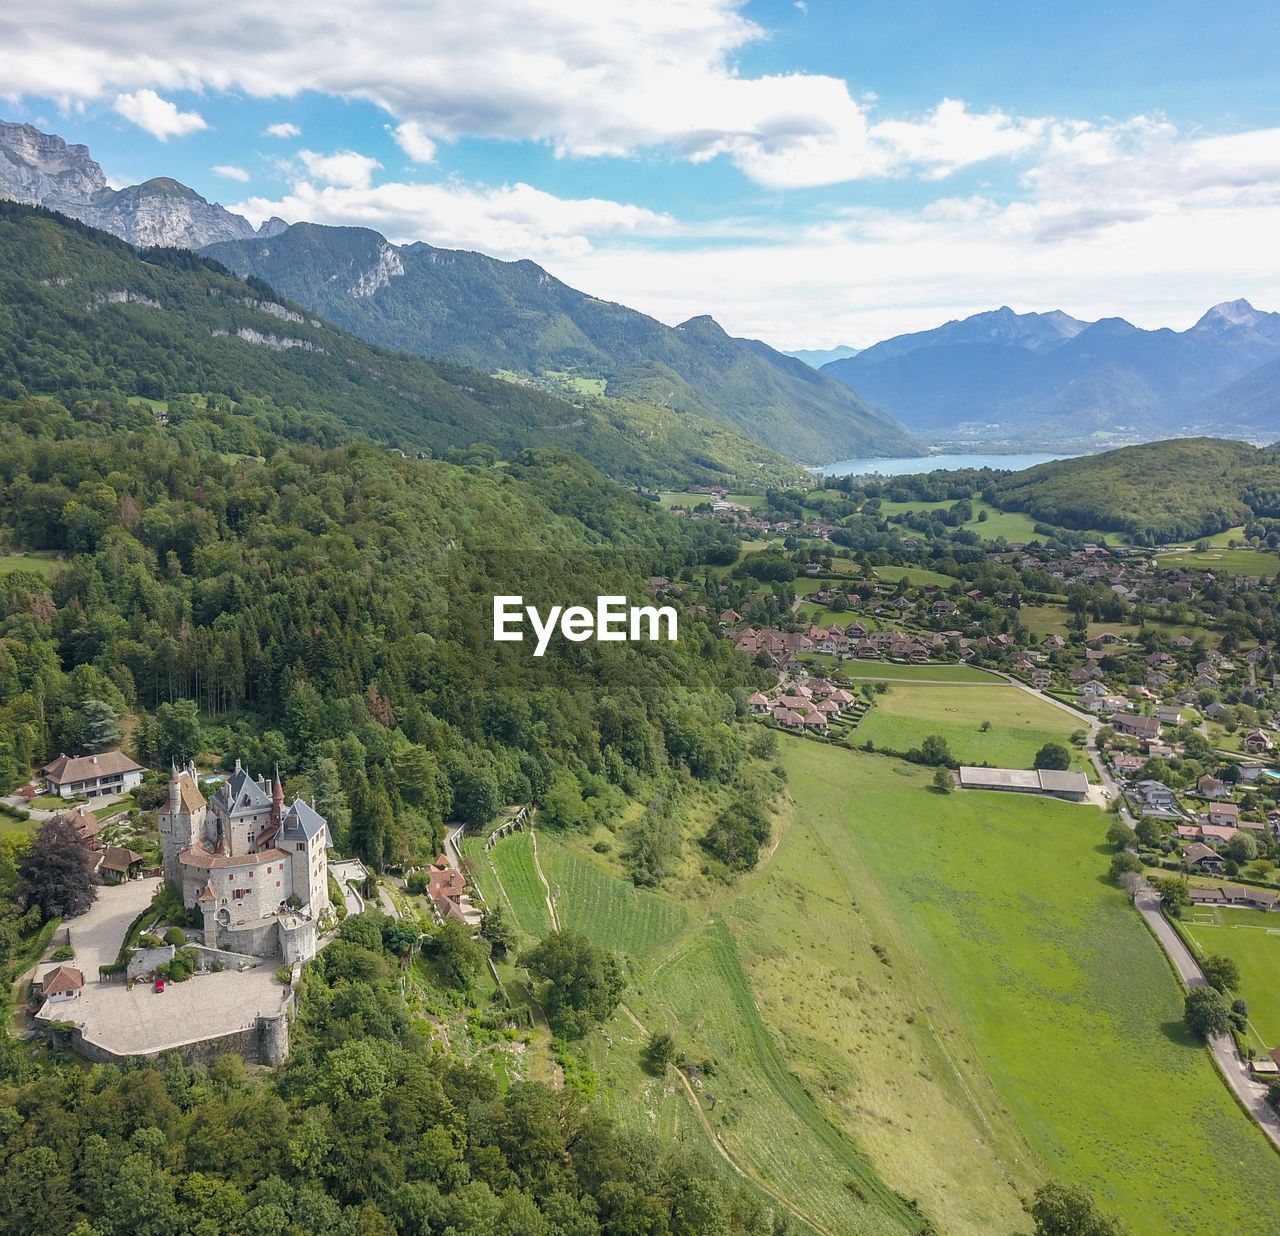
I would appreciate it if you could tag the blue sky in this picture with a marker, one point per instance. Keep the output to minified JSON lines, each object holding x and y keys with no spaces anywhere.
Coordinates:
{"x":808,"y":173}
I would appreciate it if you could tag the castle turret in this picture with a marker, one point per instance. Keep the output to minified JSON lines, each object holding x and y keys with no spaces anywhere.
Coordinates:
{"x":277,"y":800}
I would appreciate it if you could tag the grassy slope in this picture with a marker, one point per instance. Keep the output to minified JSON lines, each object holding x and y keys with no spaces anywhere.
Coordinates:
{"x":1252,"y":937}
{"x":1020,"y":723}
{"x":686,"y":976}
{"x":1254,"y":562}
{"x":1069,"y":1006}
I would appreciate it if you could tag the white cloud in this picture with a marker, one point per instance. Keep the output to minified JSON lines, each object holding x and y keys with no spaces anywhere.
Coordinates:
{"x":1130,"y":218}
{"x":511,"y":221}
{"x":344,"y":167}
{"x":230,"y":172}
{"x":610,"y":78}
{"x":158,"y":116}
{"x":413,"y":140}
{"x":284,"y":129}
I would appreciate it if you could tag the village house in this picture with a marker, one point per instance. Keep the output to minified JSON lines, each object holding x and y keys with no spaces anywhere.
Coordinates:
{"x":61,"y":984}
{"x":1210,"y":787}
{"x":1135,"y":726}
{"x":91,"y":776}
{"x":1255,"y":742}
{"x":1224,"y":814}
{"x":1154,"y":797}
{"x":1199,"y":857}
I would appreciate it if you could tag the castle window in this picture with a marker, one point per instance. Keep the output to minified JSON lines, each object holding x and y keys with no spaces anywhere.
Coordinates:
{"x":239,"y":894}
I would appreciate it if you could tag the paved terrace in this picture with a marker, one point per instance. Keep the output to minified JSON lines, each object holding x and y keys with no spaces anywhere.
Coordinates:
{"x":140,"y":1021}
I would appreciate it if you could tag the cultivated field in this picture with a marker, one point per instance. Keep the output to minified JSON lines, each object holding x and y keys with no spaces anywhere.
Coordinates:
{"x":1060,"y":996}
{"x":685,"y":976}
{"x":1020,"y":724}
{"x":1252,"y":938}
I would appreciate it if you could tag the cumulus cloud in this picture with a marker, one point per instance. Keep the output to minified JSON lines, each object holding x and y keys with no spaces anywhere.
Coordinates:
{"x":510,"y":221}
{"x":284,"y":128}
{"x":230,"y":172}
{"x":158,"y":116}
{"x":344,"y":167}
{"x":411,"y":138}
{"x":609,"y":78}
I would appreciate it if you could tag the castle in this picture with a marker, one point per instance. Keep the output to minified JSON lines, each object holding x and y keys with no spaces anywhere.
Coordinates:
{"x":256,"y":869}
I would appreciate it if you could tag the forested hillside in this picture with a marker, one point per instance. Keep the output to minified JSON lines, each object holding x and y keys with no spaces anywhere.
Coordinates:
{"x":1156,"y":493}
{"x":82,"y":313}
{"x":332,"y":610}
{"x":497,"y":315}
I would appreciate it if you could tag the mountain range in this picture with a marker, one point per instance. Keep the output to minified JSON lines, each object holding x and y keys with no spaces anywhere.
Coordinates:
{"x":84,"y":315}
{"x":516,"y":317}
{"x":1035,"y":379}
{"x":512,"y":318}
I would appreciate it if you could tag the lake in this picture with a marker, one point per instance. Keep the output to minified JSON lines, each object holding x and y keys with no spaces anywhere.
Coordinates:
{"x":932,"y":463}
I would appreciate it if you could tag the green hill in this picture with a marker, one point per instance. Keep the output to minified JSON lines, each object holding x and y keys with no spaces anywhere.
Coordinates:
{"x":497,"y":315}
{"x":81,"y":312}
{"x":1157,"y":492}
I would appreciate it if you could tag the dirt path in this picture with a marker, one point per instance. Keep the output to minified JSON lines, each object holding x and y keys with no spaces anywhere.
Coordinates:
{"x":546,"y":888}
{"x":723,"y":1150}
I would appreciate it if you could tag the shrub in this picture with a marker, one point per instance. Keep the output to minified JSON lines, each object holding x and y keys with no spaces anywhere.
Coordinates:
{"x":64,"y":953}
{"x":149,"y":939}
{"x":176,"y":936}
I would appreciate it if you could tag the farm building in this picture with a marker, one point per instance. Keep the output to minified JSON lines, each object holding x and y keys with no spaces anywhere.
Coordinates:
{"x":1073,"y":786}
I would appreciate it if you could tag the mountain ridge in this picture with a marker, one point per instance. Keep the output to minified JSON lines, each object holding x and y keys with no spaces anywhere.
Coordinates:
{"x":494,"y":315}
{"x":1040,"y":378}
{"x":81,"y":310}
{"x":41,"y":169}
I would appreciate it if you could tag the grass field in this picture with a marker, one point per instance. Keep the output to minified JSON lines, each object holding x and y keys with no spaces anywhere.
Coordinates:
{"x":1050,"y":996}
{"x":37,"y":564}
{"x":1254,"y":562}
{"x":919,"y":576}
{"x":519,"y":884}
{"x":888,"y":672}
{"x":1020,"y":724}
{"x":689,"y":500}
{"x":1252,"y":938}
{"x":614,"y":915}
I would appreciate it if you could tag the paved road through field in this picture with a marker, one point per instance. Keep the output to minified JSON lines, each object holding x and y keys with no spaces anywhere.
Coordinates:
{"x":1250,"y":1093}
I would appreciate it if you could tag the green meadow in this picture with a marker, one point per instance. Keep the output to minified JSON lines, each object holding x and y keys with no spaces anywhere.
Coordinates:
{"x":886,"y":671}
{"x":1019,"y":723}
{"x":1241,"y":561}
{"x":1049,"y":992}
{"x":37,"y":564}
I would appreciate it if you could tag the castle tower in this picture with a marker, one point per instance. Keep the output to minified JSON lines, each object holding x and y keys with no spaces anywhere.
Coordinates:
{"x":277,"y":800}
{"x":181,"y":822}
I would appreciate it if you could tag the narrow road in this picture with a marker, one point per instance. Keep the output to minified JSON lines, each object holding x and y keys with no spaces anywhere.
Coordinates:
{"x":1250,"y":1093}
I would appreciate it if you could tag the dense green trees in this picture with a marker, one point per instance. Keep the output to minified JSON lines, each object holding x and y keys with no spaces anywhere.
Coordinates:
{"x":1053,"y":755}
{"x":366,"y":1131}
{"x":329,"y":612}
{"x":1206,"y":1012}
{"x":1063,"y":1210}
{"x":583,"y":983}
{"x":1221,"y":973}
